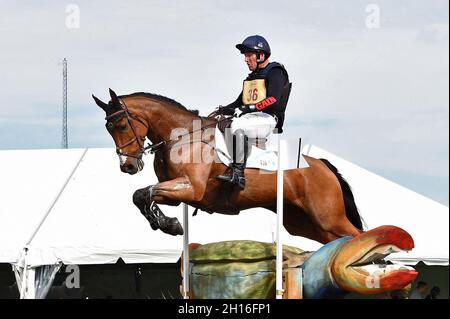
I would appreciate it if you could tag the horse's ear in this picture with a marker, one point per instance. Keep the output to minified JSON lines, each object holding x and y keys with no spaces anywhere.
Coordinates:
{"x":114,"y":98}
{"x":100,"y":103}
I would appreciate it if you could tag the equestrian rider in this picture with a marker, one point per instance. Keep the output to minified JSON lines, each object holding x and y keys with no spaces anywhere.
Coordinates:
{"x":261,"y":104}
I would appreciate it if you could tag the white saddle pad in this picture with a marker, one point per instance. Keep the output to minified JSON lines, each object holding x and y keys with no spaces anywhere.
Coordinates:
{"x":258,"y":158}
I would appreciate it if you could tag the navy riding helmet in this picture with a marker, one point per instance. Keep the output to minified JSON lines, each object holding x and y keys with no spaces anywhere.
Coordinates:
{"x":254,"y":43}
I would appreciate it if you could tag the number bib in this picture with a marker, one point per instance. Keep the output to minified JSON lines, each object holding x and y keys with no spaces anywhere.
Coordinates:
{"x":254,"y":91}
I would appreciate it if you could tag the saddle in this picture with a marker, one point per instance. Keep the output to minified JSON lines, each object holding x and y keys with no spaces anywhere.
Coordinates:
{"x":261,"y":154}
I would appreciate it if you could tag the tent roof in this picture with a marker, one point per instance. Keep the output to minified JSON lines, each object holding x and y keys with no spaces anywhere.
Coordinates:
{"x":94,"y":221}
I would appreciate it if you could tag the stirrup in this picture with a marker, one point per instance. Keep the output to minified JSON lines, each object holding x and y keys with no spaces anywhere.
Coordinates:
{"x":227,"y":175}
{"x":240,"y":180}
{"x":233,"y":176}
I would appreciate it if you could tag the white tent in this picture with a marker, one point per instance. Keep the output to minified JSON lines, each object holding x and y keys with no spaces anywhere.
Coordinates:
{"x":94,"y":221}
{"x":74,"y":206}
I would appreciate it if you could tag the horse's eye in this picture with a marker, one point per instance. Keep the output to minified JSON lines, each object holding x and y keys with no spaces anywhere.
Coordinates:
{"x":109,"y":126}
{"x":123,"y":127}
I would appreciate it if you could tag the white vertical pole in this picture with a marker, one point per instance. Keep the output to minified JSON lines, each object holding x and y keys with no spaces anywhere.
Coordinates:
{"x":30,"y":292}
{"x":279,"y":260}
{"x":301,"y":282}
{"x":185,"y":251}
{"x":23,"y":287}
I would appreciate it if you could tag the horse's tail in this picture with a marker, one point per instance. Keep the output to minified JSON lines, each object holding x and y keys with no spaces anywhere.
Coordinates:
{"x":350,"y":206}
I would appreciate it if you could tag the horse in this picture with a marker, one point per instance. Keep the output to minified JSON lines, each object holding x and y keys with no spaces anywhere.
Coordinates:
{"x":318,"y":202}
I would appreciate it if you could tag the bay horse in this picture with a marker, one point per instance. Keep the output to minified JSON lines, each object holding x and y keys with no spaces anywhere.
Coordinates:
{"x":318,"y":202}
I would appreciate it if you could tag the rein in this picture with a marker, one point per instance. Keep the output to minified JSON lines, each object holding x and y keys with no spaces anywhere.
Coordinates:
{"x":152,"y":148}
{"x":165,"y":142}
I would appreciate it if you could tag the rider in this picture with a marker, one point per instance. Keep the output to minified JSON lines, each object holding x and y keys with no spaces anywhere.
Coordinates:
{"x":262,"y":103}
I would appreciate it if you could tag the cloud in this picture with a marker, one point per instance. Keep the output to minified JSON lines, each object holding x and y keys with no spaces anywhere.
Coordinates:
{"x":434,"y":34}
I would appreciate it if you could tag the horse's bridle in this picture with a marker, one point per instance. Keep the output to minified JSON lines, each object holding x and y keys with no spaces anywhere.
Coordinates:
{"x":124,"y":112}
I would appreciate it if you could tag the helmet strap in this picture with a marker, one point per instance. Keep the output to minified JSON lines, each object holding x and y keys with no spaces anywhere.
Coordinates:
{"x":258,"y":59}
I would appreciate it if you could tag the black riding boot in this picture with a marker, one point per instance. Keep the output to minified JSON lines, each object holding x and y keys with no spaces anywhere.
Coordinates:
{"x":239,"y":148}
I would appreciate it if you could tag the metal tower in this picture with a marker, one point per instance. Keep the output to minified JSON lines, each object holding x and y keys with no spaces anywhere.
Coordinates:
{"x":64,"y":123}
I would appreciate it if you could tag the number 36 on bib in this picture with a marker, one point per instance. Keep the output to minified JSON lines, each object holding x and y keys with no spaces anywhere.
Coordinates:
{"x":254,"y":91}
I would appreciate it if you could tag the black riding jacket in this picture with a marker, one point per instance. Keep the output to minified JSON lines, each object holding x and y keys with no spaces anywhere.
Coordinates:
{"x":278,"y":89}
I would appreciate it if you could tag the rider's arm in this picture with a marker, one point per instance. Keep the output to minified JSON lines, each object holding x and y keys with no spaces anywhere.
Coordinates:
{"x":275,"y":83}
{"x":229,"y":109}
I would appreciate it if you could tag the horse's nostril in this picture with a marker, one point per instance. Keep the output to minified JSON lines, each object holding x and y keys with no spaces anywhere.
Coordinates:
{"x":127,"y":168}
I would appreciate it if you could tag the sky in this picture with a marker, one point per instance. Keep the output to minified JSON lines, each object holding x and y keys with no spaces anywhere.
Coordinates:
{"x":370,"y":78}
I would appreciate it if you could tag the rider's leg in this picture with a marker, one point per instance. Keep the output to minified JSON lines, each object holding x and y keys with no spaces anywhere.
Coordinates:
{"x":238,"y":146}
{"x":240,"y":156}
{"x":253,"y":125}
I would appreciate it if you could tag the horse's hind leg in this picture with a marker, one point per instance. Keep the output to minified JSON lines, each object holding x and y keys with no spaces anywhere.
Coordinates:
{"x":328,"y":214}
{"x":316,"y":194}
{"x":298,"y":223}
{"x":156,"y":218}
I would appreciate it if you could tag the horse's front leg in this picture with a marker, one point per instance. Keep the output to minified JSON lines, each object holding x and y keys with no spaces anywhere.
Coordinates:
{"x":176,"y":190}
{"x":143,"y":199}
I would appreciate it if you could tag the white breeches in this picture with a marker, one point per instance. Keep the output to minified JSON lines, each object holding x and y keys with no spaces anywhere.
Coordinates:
{"x":255,"y":125}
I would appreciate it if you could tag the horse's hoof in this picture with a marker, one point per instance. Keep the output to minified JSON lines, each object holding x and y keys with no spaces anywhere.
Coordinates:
{"x":154,"y":225}
{"x":172,"y":226}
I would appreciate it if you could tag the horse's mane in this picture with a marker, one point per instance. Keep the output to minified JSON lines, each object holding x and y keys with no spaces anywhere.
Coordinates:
{"x":162,"y":99}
